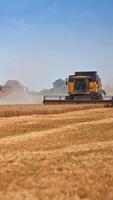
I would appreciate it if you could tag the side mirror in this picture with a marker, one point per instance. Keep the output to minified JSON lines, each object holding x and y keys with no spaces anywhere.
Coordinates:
{"x":66,"y":81}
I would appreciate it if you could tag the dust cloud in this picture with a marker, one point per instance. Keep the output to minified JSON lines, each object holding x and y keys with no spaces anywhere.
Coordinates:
{"x":13,"y":92}
{"x":23,"y":99}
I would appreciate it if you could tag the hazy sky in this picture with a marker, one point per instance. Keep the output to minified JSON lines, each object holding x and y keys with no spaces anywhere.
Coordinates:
{"x":42,"y":40}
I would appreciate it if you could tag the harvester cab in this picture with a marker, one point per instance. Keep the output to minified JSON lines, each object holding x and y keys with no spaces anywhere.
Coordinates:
{"x":78,"y":84}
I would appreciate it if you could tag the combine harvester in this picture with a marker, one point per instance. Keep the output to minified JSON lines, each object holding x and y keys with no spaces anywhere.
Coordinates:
{"x":83,"y":87}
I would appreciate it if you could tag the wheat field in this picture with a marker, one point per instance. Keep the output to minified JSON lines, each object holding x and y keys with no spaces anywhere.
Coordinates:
{"x":62,"y":152}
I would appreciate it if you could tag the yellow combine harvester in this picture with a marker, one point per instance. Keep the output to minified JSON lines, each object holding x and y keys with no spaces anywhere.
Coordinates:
{"x":83,"y":87}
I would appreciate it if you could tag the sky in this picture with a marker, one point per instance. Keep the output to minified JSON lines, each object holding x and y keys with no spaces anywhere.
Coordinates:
{"x":43,"y":40}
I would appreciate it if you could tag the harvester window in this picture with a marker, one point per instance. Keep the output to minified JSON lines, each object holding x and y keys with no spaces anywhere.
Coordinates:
{"x":82,"y":85}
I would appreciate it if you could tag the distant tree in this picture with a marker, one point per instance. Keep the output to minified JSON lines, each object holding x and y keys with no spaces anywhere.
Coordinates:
{"x":59,"y":88}
{"x":59,"y":84}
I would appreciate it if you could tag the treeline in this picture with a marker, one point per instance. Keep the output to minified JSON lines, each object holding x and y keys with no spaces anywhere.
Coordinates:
{"x":58,"y":88}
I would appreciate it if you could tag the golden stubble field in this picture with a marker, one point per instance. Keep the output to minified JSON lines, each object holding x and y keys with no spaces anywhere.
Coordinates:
{"x":56,"y":152}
